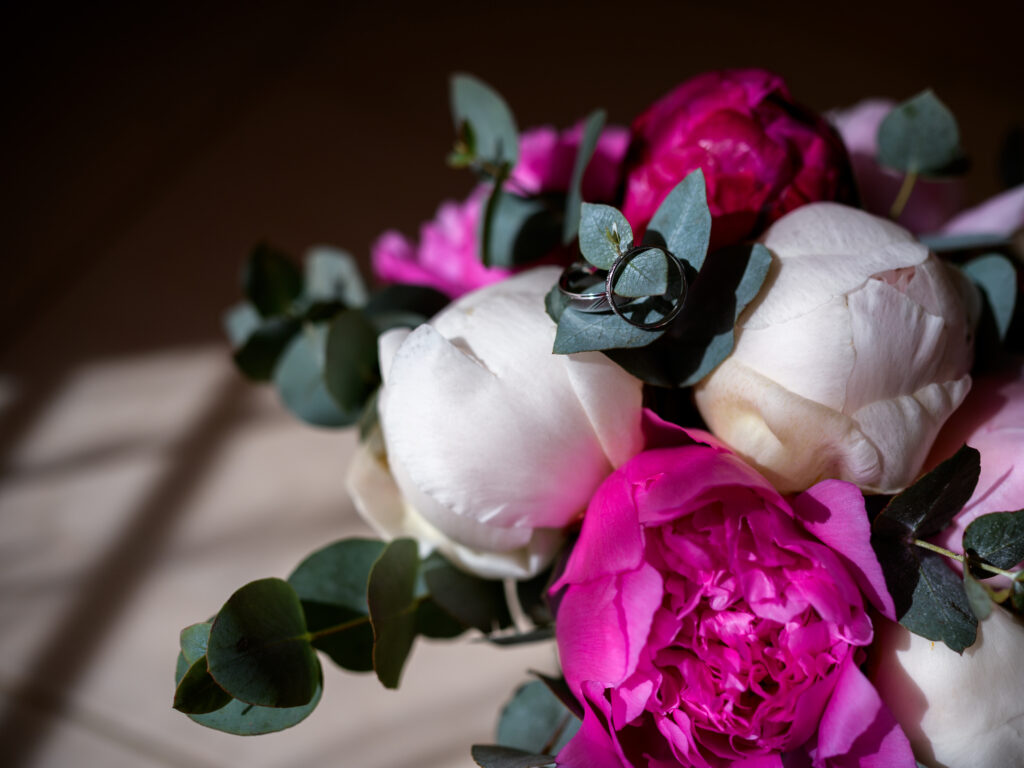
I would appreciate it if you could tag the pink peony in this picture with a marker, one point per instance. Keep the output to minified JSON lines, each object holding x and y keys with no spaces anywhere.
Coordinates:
{"x":935,"y":205}
{"x":447,"y":258}
{"x":706,"y":621}
{"x":762,"y":155}
{"x":991,"y":420}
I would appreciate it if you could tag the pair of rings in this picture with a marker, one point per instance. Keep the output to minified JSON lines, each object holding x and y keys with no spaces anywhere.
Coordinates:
{"x":589,"y":289}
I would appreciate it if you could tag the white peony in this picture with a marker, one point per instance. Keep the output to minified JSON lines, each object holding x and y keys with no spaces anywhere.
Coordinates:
{"x":493,"y":443}
{"x":851,"y":358}
{"x":958,"y":711}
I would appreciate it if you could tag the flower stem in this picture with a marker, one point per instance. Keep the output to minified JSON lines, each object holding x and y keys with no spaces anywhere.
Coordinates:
{"x":960,"y":558}
{"x":903,"y":196}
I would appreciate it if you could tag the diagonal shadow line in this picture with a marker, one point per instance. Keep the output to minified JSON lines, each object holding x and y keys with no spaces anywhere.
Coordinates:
{"x":103,"y":594}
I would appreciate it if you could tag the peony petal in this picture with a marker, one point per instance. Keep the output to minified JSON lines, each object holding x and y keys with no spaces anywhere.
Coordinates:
{"x":857,"y":730}
{"x":387,"y":345}
{"x":593,"y":746}
{"x":792,"y":441}
{"x":1002,"y":214}
{"x":377,"y":499}
{"x":959,"y":711}
{"x":834,"y":512}
{"x":903,"y":429}
{"x":612,"y":401}
{"x":771,"y":351}
{"x":926,"y":349}
{"x":837,"y":249}
{"x":610,"y":619}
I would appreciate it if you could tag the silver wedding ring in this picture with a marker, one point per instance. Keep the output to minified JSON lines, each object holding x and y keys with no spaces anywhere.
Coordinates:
{"x":589,"y":289}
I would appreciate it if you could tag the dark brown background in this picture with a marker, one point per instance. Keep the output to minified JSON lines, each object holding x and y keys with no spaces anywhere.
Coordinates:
{"x":146,"y":147}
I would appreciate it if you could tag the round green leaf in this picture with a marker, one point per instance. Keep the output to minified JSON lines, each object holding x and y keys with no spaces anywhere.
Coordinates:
{"x":271,"y":281}
{"x":259,"y":649}
{"x":391,"y":596}
{"x":351,"y":373}
{"x":535,"y":720}
{"x":197,"y":693}
{"x":682,"y":223}
{"x":333,"y":275}
{"x":495,"y":137}
{"x":919,"y":136}
{"x":604,"y":234}
{"x":997,"y":538}
{"x":300,"y":381}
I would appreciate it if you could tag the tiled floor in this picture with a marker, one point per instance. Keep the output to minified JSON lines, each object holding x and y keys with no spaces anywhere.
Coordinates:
{"x":143,"y":153}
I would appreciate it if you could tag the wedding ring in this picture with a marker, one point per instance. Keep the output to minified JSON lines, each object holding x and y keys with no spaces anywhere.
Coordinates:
{"x":577,"y":283}
{"x":620,"y":309}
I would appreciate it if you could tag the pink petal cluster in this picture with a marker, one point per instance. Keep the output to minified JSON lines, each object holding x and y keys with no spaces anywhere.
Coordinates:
{"x":991,"y":420}
{"x":447,"y":258}
{"x":935,"y":205}
{"x":708,"y":622}
{"x":762,"y":155}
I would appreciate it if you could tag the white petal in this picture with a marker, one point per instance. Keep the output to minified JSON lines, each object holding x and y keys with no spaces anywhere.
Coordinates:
{"x":612,"y":400}
{"x":825,"y":250}
{"x":387,"y":344}
{"x":378,"y":500}
{"x":791,"y":440}
{"x":811,"y":355}
{"x":958,"y":711}
{"x":903,"y":429}
{"x":509,"y":450}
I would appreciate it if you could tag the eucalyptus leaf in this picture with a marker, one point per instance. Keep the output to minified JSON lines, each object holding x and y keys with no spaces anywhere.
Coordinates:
{"x":244,"y":719}
{"x":996,"y":277}
{"x":259,"y":649}
{"x":433,"y":621}
{"x":592,"y":127}
{"x":604,"y":234}
{"x":939,"y":608}
{"x":997,"y":539}
{"x":197,"y":693}
{"x":351,"y":370}
{"x":194,"y":639}
{"x":535,"y":721}
{"x":682,"y":223}
{"x":920,"y":136}
{"x":473,"y":601}
{"x":418,"y":299}
{"x":977,"y":597}
{"x":241,"y":322}
{"x":930,"y":504}
{"x":703,"y":335}
{"x":586,"y":331}
{"x":942,"y":243}
{"x":495,"y":137}
{"x":331,"y":584}
{"x":271,"y":281}
{"x":237,"y":717}
{"x":300,"y":380}
{"x":644,"y":273}
{"x":537,"y":635}
{"x":930,"y":598}
{"x":333,"y":274}
{"x":256,"y":356}
{"x":391,"y":597}
{"x":523,"y":230}
{"x":488,"y":756}
{"x":485,"y":227}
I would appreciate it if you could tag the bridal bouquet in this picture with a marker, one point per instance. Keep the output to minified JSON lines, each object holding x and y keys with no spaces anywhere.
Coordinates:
{"x":729,"y":404}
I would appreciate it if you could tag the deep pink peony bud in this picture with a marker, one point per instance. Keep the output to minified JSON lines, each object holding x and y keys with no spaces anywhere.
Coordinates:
{"x":762,"y":155}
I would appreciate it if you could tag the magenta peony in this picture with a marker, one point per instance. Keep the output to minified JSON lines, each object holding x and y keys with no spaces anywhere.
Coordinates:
{"x":707,"y":622}
{"x":762,"y":155}
{"x":447,"y":258}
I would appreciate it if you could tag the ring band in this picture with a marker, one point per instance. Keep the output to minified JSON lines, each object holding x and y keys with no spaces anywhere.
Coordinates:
{"x":613,"y":277}
{"x":576,"y":283}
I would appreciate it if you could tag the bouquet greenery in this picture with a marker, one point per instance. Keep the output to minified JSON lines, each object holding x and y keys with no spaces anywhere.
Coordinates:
{"x":728,"y":404}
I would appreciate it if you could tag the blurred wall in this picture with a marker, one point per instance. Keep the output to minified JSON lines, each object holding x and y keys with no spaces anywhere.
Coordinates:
{"x":145,"y":147}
